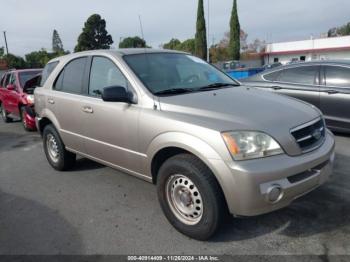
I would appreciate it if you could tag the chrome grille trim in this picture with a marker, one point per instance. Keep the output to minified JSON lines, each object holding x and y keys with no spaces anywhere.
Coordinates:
{"x":304,"y":135}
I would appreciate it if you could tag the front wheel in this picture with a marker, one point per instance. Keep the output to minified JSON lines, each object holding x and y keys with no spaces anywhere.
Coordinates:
{"x":4,"y":114}
{"x":55,"y":151}
{"x":190,"y":196}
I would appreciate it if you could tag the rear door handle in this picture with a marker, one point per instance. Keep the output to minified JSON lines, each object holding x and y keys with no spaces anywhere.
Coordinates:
{"x":332,"y":92}
{"x":88,"y":109}
{"x":50,"y":101}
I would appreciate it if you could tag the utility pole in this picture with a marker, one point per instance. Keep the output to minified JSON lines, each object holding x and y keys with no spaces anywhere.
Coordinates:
{"x":208,"y":41}
{"x":143,"y":37}
{"x":7,"y":49}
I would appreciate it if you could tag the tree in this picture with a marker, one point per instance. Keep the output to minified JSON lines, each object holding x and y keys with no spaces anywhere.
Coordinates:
{"x":132,"y":42}
{"x":185,"y":46}
{"x":174,"y":44}
{"x":14,"y":61}
{"x":57,"y":45}
{"x":257,"y":46}
{"x":339,"y":31}
{"x":2,"y":51}
{"x":94,"y":35}
{"x":201,"y":33}
{"x":235,"y":34}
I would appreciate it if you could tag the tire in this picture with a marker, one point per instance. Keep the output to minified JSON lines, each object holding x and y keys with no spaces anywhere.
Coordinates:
{"x":186,"y":187}
{"x":23,"y":119}
{"x":58,"y":157}
{"x":4,"y":115}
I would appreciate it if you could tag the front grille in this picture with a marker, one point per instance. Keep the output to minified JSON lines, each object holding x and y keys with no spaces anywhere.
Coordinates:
{"x":310,"y":135}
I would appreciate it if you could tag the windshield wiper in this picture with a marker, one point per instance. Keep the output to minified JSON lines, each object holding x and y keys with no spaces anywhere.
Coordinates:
{"x":216,"y":86}
{"x":174,"y":91}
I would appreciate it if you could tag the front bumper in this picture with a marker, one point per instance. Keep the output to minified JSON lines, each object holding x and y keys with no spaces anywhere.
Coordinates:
{"x":246,"y":184}
{"x":30,"y":117}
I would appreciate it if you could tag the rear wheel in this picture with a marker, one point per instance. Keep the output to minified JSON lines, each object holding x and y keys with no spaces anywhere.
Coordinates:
{"x":4,"y":114}
{"x":190,"y":196}
{"x":58,"y":157}
{"x":24,"y":119}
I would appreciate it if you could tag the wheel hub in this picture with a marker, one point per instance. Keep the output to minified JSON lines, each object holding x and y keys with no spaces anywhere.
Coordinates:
{"x":184,"y":199}
{"x":52,"y":147}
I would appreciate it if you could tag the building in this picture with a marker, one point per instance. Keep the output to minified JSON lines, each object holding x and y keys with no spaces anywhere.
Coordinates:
{"x":308,"y":50}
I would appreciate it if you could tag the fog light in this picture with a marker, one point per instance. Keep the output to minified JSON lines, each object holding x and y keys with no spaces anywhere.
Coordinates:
{"x":274,"y":194}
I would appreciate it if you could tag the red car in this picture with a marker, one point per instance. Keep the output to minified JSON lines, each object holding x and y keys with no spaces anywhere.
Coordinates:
{"x":15,"y":100}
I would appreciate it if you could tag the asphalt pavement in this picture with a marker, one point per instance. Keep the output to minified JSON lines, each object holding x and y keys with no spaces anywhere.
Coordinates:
{"x":94,"y":209}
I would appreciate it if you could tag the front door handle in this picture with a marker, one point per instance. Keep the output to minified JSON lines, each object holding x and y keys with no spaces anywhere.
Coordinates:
{"x":332,"y":92}
{"x":276,"y":88}
{"x":88,"y":109}
{"x":50,"y":101}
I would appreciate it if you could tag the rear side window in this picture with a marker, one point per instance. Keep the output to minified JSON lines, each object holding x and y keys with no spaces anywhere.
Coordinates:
{"x":7,"y":80}
{"x":71,"y":78}
{"x":272,"y":76}
{"x":47,"y":72}
{"x":104,"y":73}
{"x":337,"y":76}
{"x":305,"y":75}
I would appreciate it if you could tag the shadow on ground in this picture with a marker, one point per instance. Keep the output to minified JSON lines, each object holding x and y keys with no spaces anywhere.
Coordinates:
{"x":27,"y":227}
{"x":324,"y":210}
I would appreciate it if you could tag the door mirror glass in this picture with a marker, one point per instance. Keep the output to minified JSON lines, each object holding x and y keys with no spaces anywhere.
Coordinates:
{"x":116,"y":94}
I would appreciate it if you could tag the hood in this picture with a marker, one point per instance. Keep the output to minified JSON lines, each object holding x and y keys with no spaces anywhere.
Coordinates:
{"x":242,"y":108}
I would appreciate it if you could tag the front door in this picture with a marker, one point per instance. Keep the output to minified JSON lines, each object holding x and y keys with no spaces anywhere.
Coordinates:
{"x":111,"y":128}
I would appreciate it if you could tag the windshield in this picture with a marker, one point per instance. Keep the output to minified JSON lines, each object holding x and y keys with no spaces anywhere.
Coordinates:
{"x":25,"y":76}
{"x":161,"y":72}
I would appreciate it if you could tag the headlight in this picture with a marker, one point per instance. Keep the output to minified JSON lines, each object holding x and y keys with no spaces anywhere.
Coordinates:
{"x":244,"y":145}
{"x":30,"y":99}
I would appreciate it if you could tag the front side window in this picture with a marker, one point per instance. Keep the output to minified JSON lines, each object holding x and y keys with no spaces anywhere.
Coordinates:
{"x":305,"y":75}
{"x":47,"y":71}
{"x":104,"y":73}
{"x":7,"y":80}
{"x":169,"y":71}
{"x":337,"y":76}
{"x":71,"y":78}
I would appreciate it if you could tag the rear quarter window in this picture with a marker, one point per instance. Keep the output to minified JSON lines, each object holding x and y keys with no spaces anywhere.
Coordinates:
{"x":47,"y":72}
{"x":272,"y":76}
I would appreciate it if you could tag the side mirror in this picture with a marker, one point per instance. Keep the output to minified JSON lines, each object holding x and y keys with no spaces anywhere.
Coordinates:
{"x":11,"y":87}
{"x":117,"y":94}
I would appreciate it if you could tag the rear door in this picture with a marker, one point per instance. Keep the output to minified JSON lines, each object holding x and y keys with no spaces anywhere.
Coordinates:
{"x":335,"y":96}
{"x":301,"y":82}
{"x":4,"y":91}
{"x":65,"y":101}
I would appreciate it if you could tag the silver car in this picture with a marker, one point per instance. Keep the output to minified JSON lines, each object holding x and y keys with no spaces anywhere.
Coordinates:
{"x":210,"y":145}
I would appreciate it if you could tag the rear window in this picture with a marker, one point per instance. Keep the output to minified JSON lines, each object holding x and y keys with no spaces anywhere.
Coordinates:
{"x":47,"y":72}
{"x":337,"y":76}
{"x":25,"y":76}
{"x":71,"y":78}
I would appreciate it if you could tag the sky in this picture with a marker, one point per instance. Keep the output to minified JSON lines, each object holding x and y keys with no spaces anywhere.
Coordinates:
{"x":29,"y":23}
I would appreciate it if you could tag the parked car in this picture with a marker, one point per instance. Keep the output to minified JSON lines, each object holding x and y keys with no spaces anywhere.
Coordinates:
{"x":15,"y":101}
{"x":271,"y":66}
{"x":209,"y":144}
{"x":325,"y":84}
